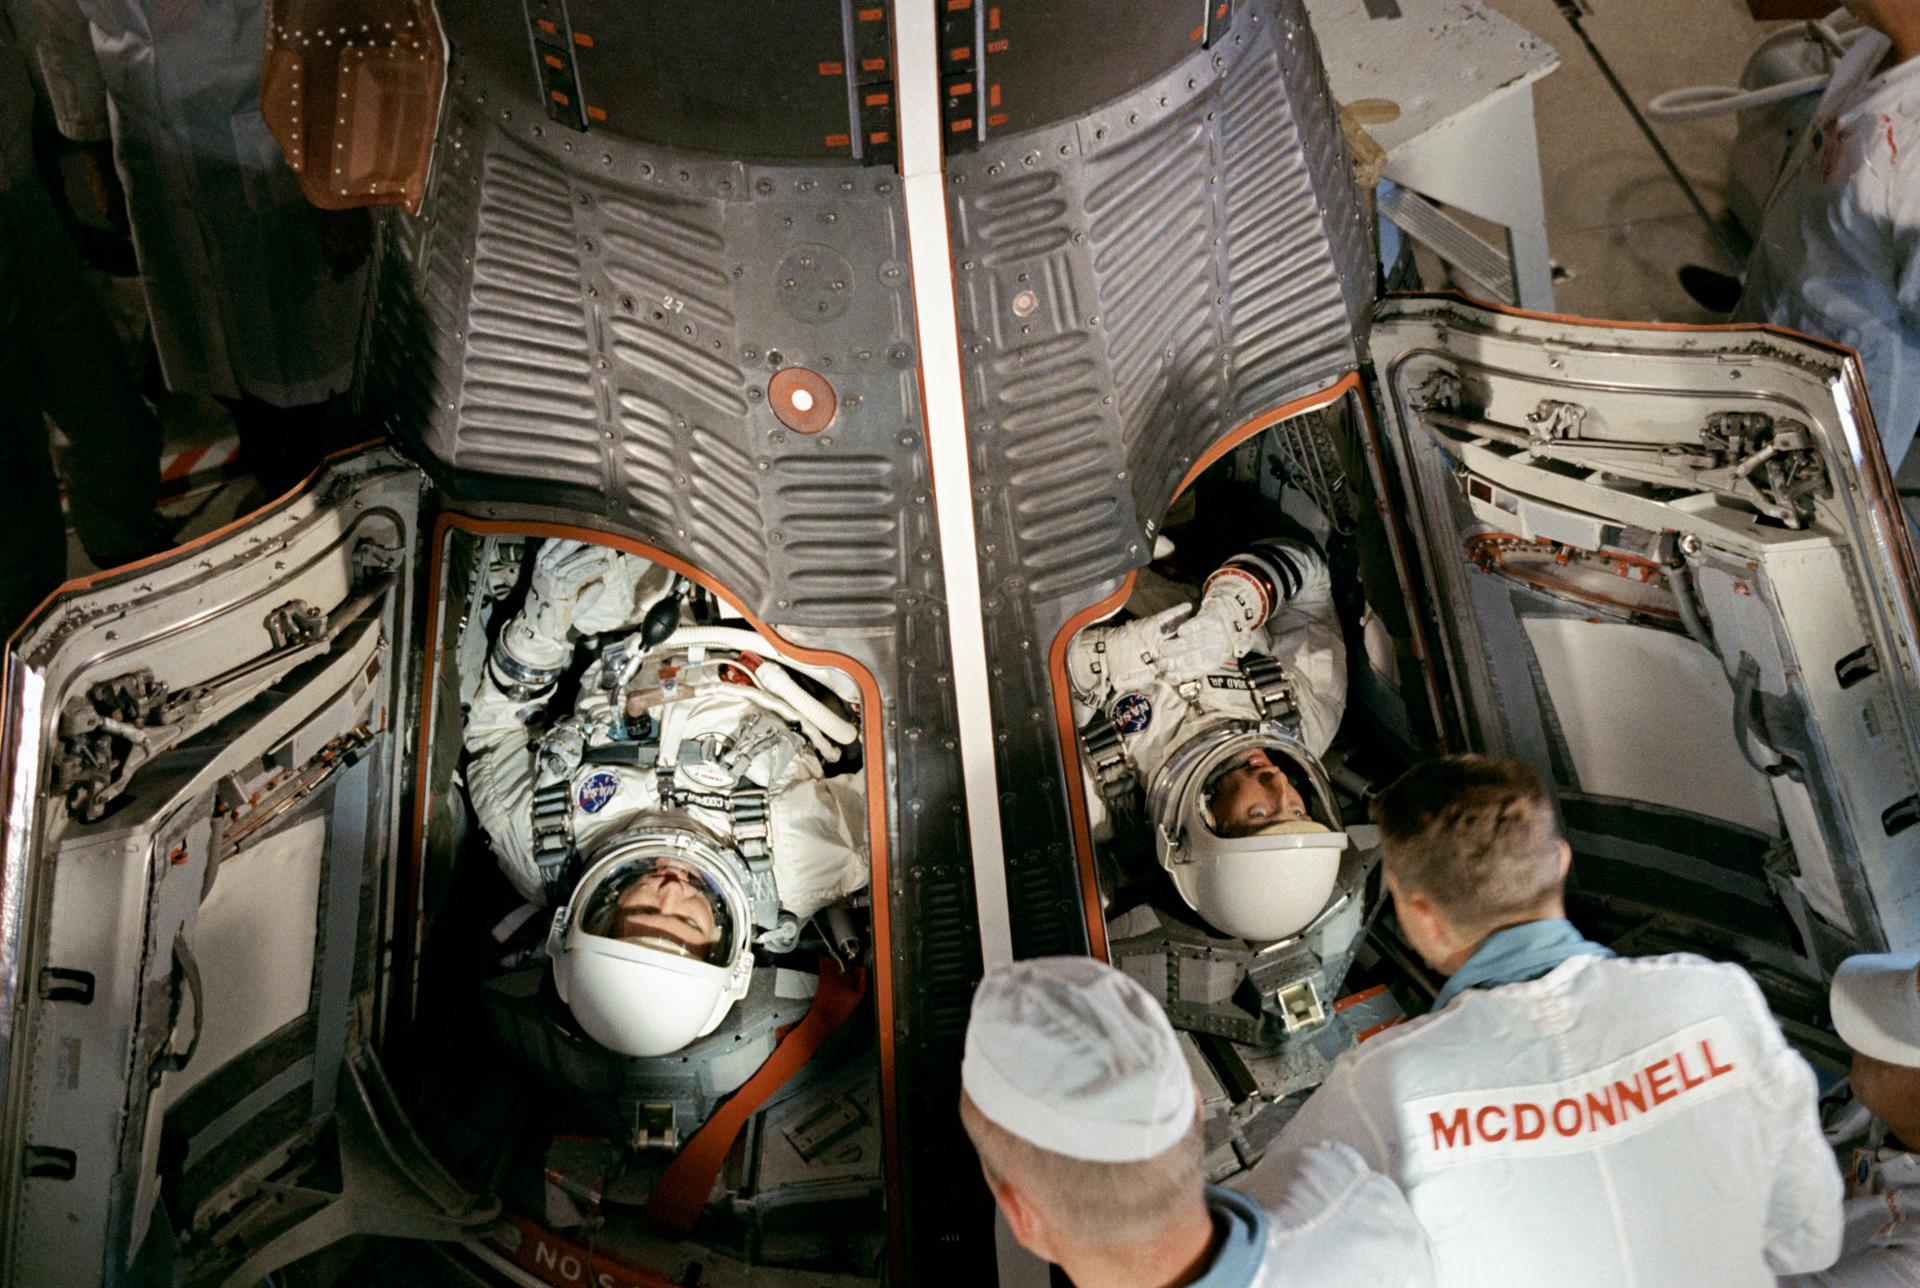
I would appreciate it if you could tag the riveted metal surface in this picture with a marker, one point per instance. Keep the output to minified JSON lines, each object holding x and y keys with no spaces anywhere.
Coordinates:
{"x":751,"y":78}
{"x":581,"y":329}
{"x":1117,"y":45}
{"x":591,"y":324}
{"x":1133,"y":284}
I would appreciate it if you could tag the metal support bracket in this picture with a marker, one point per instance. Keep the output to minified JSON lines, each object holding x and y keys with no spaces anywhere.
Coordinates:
{"x":1489,"y":267}
{"x":390,"y":1187}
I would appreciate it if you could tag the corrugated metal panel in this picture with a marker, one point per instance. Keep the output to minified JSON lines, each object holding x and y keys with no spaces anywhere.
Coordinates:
{"x":1150,"y":219}
{"x":1133,"y":285}
{"x":594,"y":327}
{"x":647,"y":434}
{"x":1284,"y":300}
{"x":1049,"y":447}
{"x":1022,"y":218}
{"x":841,"y":530}
{"x":527,"y":388}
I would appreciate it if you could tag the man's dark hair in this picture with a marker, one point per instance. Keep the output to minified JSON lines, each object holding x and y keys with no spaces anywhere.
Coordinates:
{"x":1475,"y":834}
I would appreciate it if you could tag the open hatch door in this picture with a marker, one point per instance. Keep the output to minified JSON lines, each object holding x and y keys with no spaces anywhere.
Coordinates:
{"x":1669,"y":571}
{"x":206,"y":771}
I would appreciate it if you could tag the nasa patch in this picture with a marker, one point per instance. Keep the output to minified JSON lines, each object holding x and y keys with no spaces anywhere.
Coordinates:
{"x":1131,"y":712}
{"x":596,"y":792}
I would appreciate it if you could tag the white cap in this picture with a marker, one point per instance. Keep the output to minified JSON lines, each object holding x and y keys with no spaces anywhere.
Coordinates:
{"x":1876,"y":1006}
{"x":1071,"y":1055}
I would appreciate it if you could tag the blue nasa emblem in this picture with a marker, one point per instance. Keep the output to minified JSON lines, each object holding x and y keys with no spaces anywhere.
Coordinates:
{"x":596,"y":792}
{"x":1131,"y":712}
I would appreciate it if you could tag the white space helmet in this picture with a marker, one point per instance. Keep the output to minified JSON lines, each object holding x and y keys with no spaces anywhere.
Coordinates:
{"x":657,"y":941}
{"x":1270,"y":881}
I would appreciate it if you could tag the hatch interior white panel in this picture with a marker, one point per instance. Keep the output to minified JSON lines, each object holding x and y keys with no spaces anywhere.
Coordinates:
{"x":255,"y":945}
{"x":1645,"y":717}
{"x":208,"y":844}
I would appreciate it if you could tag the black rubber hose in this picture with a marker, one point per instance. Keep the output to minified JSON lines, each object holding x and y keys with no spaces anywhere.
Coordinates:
{"x":1570,"y":10}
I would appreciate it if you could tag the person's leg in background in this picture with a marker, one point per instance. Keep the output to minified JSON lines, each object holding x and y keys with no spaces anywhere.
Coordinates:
{"x":282,"y":441}
{"x":36,"y":542}
{"x":280,"y":446}
{"x":104,"y":249}
{"x":80,"y":375}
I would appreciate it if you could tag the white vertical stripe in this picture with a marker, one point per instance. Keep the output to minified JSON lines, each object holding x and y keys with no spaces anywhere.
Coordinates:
{"x":917,"y":95}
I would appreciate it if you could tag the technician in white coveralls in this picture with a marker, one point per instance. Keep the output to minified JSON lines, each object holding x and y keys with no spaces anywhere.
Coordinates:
{"x":1080,"y":1104}
{"x":1564,"y":1116}
{"x":687,"y":789}
{"x":1876,"y":1011}
{"x":1220,"y":715}
{"x":1839,"y":248}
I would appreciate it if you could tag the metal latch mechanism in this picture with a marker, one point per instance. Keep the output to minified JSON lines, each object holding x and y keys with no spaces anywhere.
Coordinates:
{"x":1300,"y":1007}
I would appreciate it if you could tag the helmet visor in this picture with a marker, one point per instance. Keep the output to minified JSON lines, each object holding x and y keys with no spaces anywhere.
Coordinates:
{"x":1259,"y":788}
{"x":665,"y":903}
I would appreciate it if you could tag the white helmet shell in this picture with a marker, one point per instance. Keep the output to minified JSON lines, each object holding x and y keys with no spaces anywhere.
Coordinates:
{"x":1264,"y":887}
{"x":638,"y":1000}
{"x":646,"y":996}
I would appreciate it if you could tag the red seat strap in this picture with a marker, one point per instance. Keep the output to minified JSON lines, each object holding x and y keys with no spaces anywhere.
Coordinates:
{"x":684,"y":1187}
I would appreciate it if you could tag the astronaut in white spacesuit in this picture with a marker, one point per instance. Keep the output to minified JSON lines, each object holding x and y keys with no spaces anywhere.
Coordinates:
{"x":686,"y":790}
{"x":1220,"y":715}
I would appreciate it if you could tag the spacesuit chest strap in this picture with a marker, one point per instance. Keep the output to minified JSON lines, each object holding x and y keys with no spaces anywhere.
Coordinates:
{"x":1272,"y":689}
{"x":751,"y":830}
{"x":552,"y":828}
{"x":560,"y":752}
{"x":1112,"y":767}
{"x":752,"y":814}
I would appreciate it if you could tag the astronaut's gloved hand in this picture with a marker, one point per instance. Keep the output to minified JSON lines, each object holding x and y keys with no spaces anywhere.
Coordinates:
{"x":535,"y":642}
{"x":1217,"y":633}
{"x":1119,"y":654}
{"x":1237,"y":600}
{"x":615,"y":601}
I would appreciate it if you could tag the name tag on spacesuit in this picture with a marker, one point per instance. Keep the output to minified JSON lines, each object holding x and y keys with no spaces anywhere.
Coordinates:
{"x":1623,"y":1098}
{"x":720,"y":801}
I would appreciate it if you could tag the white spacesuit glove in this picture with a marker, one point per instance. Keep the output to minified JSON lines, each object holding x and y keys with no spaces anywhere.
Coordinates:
{"x":1239,"y":599}
{"x":1104,"y":656}
{"x":1181,"y":643}
{"x":563,"y":573}
{"x":620,"y":598}
{"x":1224,"y":628}
{"x":1213,"y":637}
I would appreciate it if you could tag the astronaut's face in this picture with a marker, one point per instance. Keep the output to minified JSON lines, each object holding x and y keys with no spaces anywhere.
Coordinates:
{"x":667,"y":903}
{"x":1253,"y":794}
